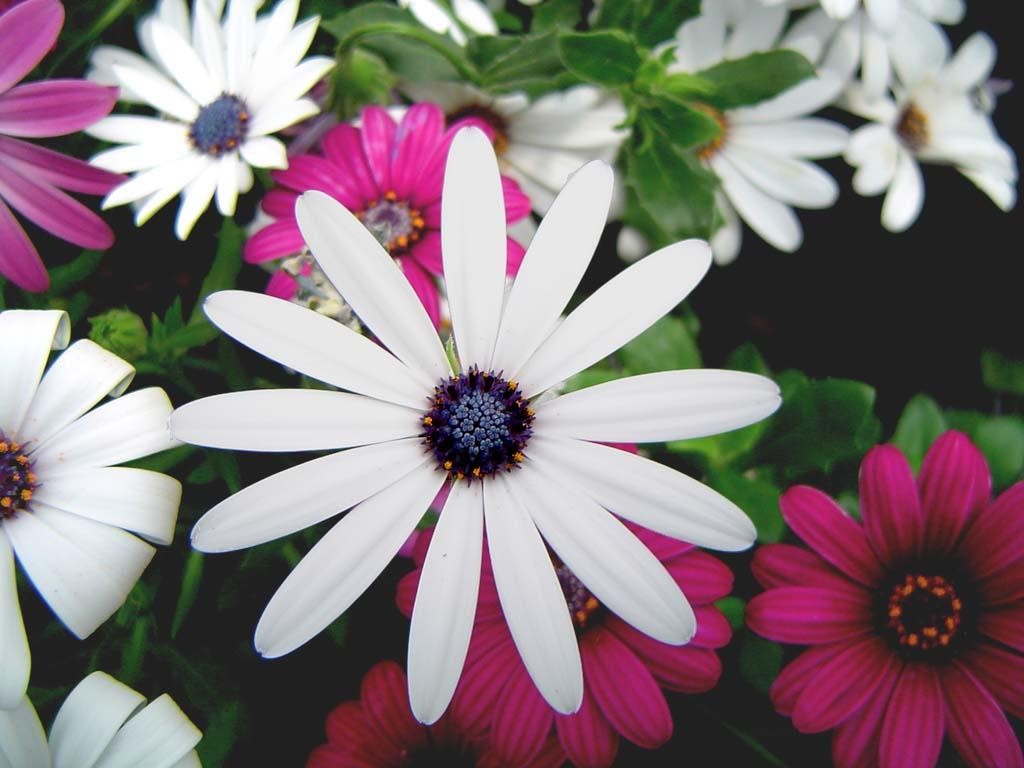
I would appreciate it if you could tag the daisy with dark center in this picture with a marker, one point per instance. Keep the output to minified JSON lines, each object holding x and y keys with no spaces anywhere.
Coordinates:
{"x":390,"y":176}
{"x":914,"y":616}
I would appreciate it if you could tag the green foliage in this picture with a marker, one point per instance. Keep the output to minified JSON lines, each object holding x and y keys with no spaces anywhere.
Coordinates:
{"x":760,"y":661}
{"x":920,"y":423}
{"x":756,"y":496}
{"x":1000,"y":438}
{"x":528,"y":63}
{"x":1001,"y":374}
{"x":649,"y":21}
{"x":121,"y":331}
{"x":755,"y":78}
{"x":359,"y":78}
{"x":606,"y":57}
{"x":665,"y":346}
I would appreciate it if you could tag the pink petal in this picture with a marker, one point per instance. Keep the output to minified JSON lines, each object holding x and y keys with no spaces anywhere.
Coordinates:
{"x":279,"y":203}
{"x":55,"y":211}
{"x":378,"y":133}
{"x":625,"y":690}
{"x":427,"y":251}
{"x":428,"y":186}
{"x":405,"y":594}
{"x":56,"y":169}
{"x":685,"y":668}
{"x":995,"y":539}
{"x":1005,"y":586}
{"x":307,"y":172}
{"x":415,"y":138}
{"x":855,"y":743}
{"x":517,"y":204}
{"x":713,"y":629}
{"x":432,"y":215}
{"x":978,"y":727}
{"x":830,"y":532}
{"x":282,"y":285}
{"x":346,"y":723}
{"x":915,"y":719}
{"x":425,"y":287}
{"x":342,"y":146}
{"x":385,"y":701}
{"x":482,"y":682}
{"x":810,"y":615}
{"x":1001,"y":672}
{"x":522,"y":719}
{"x":276,"y":240}
{"x":1005,"y":625}
{"x":890,"y":505}
{"x":514,"y":257}
{"x":354,"y":742}
{"x":795,"y":676}
{"x":27,"y":33}
{"x":664,"y":548}
{"x":587,"y":738}
{"x":19,"y":260}
{"x":54,"y":107}
{"x":786,"y":565}
{"x":702,"y":578}
{"x":954,"y":484}
{"x":332,"y":756}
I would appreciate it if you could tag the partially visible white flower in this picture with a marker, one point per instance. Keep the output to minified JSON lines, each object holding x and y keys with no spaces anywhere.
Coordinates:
{"x":65,"y":510}
{"x":102,"y":722}
{"x":469,"y":14}
{"x":934,"y":118}
{"x":221,"y":88}
{"x":761,"y":156}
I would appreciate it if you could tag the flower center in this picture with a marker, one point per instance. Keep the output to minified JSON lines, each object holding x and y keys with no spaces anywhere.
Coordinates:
{"x":924,"y":612}
{"x":482,"y":112}
{"x":706,"y":151}
{"x":583,"y":606}
{"x":478,"y":425}
{"x":393,"y":222}
{"x":220,"y":126}
{"x":17,"y":481}
{"x":912,"y":127}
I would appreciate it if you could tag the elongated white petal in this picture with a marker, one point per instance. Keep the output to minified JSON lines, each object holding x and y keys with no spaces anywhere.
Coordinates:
{"x":336,"y":571}
{"x":184,"y":64}
{"x":157,"y":185}
{"x":208,"y":43}
{"x":654,"y":407}
{"x":620,"y":310}
{"x":274,"y":30}
{"x":973,"y":62}
{"x":239,"y":38}
{"x":277,"y":115}
{"x":159,"y":92}
{"x":137,"y":129}
{"x":554,"y":264}
{"x":227,"y":183}
{"x":133,"y":426}
{"x":905,"y":198}
{"x":195,"y":199}
{"x":30,"y":335}
{"x":317,"y":346}
{"x":771,"y":219}
{"x":473,"y":245}
{"x":15,"y":660}
{"x":613,"y":563}
{"x":531,"y":597}
{"x":82,"y":568}
{"x":647,"y":493}
{"x":88,"y":719}
{"x":157,"y":737}
{"x":442,"y":617}
{"x":802,"y":99}
{"x":22,"y":740}
{"x":371,"y":283}
{"x":264,"y":152}
{"x":137,"y":500}
{"x":756,"y":29}
{"x":787,"y":179}
{"x":809,"y":137}
{"x":141,"y":157}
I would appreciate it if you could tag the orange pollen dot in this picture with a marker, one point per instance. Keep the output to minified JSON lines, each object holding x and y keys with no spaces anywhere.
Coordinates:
{"x":428,"y":420}
{"x":448,"y":465}
{"x":708,"y":150}
{"x":924,"y":612}
{"x":26,"y":495}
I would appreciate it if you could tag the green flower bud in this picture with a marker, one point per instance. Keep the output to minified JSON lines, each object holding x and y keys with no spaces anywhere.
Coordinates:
{"x":121,"y":331}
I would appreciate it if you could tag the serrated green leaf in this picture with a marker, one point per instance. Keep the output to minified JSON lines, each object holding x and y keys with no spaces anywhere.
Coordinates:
{"x":920,"y":423}
{"x":756,"y":496}
{"x":607,"y":57}
{"x":665,"y":346}
{"x":755,"y":78}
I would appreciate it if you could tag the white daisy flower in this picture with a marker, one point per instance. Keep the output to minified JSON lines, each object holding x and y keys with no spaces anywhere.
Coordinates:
{"x":65,"y":510}
{"x":102,"y":723}
{"x":761,"y":156}
{"x":520,"y":466}
{"x":221,"y":88}
{"x":934,"y":118}
{"x":464,"y":14}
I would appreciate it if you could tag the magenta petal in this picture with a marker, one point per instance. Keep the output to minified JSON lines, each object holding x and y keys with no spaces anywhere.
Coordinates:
{"x":625,"y":690}
{"x":890,"y":505}
{"x":810,"y":615}
{"x":426,"y":288}
{"x":405,"y":593}
{"x":522,"y":719}
{"x":415,"y":138}
{"x":1001,"y":672}
{"x":1002,"y":587}
{"x":855,"y":743}
{"x":377,"y":134}
{"x":517,"y":204}
{"x":915,"y":719}
{"x":713,"y":629}
{"x":684,"y":668}
{"x":786,"y":565}
{"x":431,"y":180}
{"x":830,"y":532}
{"x":795,"y":676}
{"x":514,"y":257}
{"x":587,"y":737}
{"x":27,"y":33}
{"x":385,"y":701}
{"x":978,"y":727}
{"x":54,"y":107}
{"x":995,"y":539}
{"x":278,"y":239}
{"x":427,"y":251}
{"x":702,"y":577}
{"x":1005,"y":625}
{"x":664,"y":548}
{"x":351,"y":739}
{"x":279,"y":203}
{"x":342,"y":146}
{"x":281,"y":285}
{"x":19,"y":260}
{"x":954,"y":484}
{"x":333,"y":756}
{"x":482,"y":682}
{"x":56,"y":169}
{"x":307,"y":172}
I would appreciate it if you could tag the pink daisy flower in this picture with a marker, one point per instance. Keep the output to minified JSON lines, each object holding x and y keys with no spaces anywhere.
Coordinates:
{"x":379,"y":731}
{"x":916,"y":615}
{"x":33,"y":179}
{"x":624,"y":670}
{"x":390,"y":176}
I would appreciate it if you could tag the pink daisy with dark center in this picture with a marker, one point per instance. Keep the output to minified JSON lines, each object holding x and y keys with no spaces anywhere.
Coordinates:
{"x":390,"y":175}
{"x":915,"y":616}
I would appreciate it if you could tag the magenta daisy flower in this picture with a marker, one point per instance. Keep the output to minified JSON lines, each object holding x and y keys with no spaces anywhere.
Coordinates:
{"x":624,"y":669}
{"x":379,"y":731}
{"x":33,"y":180}
{"x":916,"y":615}
{"x":390,"y":175}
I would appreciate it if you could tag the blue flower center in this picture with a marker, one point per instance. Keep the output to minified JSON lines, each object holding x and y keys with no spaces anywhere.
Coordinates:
{"x":17,"y":481}
{"x":395,"y":223}
{"x":479,"y":425}
{"x":220,"y":126}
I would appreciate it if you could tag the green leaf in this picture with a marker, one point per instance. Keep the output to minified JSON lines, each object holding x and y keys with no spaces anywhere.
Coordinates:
{"x":1001,"y":374}
{"x":359,"y":78}
{"x":920,"y":423}
{"x":733,"y":607}
{"x":608,"y":57}
{"x":165,"y":460}
{"x":650,"y":21}
{"x":597,"y":374}
{"x":227,"y":263}
{"x":756,"y":496}
{"x":134,"y":652}
{"x":682,"y":126}
{"x":755,"y":78}
{"x":530,"y":63}
{"x":220,"y":734}
{"x":760,"y":661}
{"x":555,"y":14}
{"x":1001,"y":439}
{"x":665,"y":346}
{"x":68,"y":275}
{"x":190,"y":581}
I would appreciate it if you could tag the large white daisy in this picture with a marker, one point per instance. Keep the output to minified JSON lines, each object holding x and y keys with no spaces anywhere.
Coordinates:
{"x":221,"y":88}
{"x":101,"y":724}
{"x":935,"y":117}
{"x":520,"y":465}
{"x":65,"y":510}
{"x":761,"y":156}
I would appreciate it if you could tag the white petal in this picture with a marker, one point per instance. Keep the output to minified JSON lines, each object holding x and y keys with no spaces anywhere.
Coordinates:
{"x":883,"y":13}
{"x":82,"y":568}
{"x":701,"y":40}
{"x":787,"y":179}
{"x":158,"y":737}
{"x":905,"y":197}
{"x":292,"y":420}
{"x":280,"y":114}
{"x":292,"y":83}
{"x":727,"y":241}
{"x":772,"y":220}
{"x":430,"y":14}
{"x":442,"y":616}
{"x":531,"y":597}
{"x":622,"y":573}
{"x":802,"y":99}
{"x":548,"y":167}
{"x":810,"y":34}
{"x":336,"y":571}
{"x":617,"y":312}
{"x":158,"y":92}
{"x":919,"y":49}
{"x":22,"y":741}
{"x":973,"y":62}
{"x":844,"y":53}
{"x":195,"y":200}
{"x":1002,"y":192}
{"x":476,"y":16}
{"x":239,"y":35}
{"x":140,"y":157}
{"x":208,"y":43}
{"x":133,"y":426}
{"x":137,"y":500}
{"x":164,"y":181}
{"x":15,"y":659}
{"x":582,"y":117}
{"x":183,"y":63}
{"x":809,"y":137}
{"x":88,"y":719}
{"x":757,"y":29}
{"x":647,"y":493}
{"x":136,"y":129}
{"x":473,"y":245}
{"x":274,"y":34}
{"x":372,"y":283}
{"x":101,"y":69}
{"x":655,"y":407}
{"x":30,"y":335}
{"x":875,"y":67}
{"x":317,"y":346}
{"x":227,"y":183}
{"x":554,"y":264}
{"x":304,"y":495}
{"x":180,"y":173}
{"x":867,"y":142}
{"x":264,"y":152}
{"x":839,"y":9}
